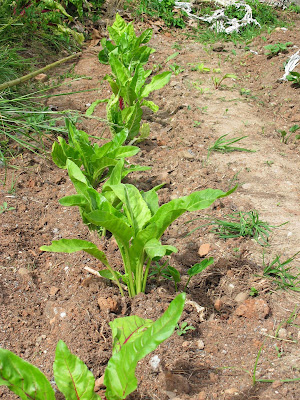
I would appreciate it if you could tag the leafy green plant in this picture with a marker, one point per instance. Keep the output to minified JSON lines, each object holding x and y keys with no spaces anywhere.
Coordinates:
{"x":4,"y":207}
{"x":217,"y":81}
{"x":97,"y":162}
{"x":225,"y":145}
{"x":285,"y":135}
{"x":276,"y":48}
{"x":200,"y":67}
{"x":171,"y":273}
{"x":281,"y":275}
{"x":253,"y":292}
{"x":128,"y":79}
{"x":133,"y":339}
{"x":183,"y":328}
{"x":135,"y":220}
{"x":294,"y":77}
{"x":177,"y":69}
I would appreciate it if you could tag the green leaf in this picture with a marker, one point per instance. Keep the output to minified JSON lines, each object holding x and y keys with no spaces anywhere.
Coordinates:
{"x":168,"y":212}
{"x":72,"y":376}
{"x":172,"y":56}
{"x":138,"y":213}
{"x":119,"y":70}
{"x":150,"y":104}
{"x":58,"y":156}
{"x":119,"y":376}
{"x":199,"y":267}
{"x":151,"y":198}
{"x":73,"y":245}
{"x":155,"y":250}
{"x":92,"y":107}
{"x":157,"y":82}
{"x":22,"y":378}
{"x":144,"y":37}
{"x":127,"y":329}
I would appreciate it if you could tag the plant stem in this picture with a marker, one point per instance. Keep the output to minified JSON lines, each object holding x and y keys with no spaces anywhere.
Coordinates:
{"x":35,"y":73}
{"x":146,"y":274}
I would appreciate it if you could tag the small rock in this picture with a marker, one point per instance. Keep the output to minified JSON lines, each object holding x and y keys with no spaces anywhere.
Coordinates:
{"x":164,"y":177}
{"x":201,"y":396}
{"x":253,"y":308}
{"x":109,"y":304}
{"x":218,"y":304}
{"x":200,"y":344}
{"x":229,"y":393}
{"x":185,"y":344}
{"x":204,"y":249}
{"x":282,"y":333}
{"x":171,"y":395}
{"x":53,"y":290}
{"x":296,"y":118}
{"x":186,"y":154}
{"x":40,"y":338}
{"x":41,"y":78}
{"x":241,"y":297}
{"x":218,"y":47}
{"x":154,"y":363}
{"x":23,"y":271}
{"x":99,"y":383}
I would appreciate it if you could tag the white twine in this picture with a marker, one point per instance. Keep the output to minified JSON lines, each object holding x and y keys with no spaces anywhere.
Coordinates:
{"x":219,"y":20}
{"x":291,"y":64}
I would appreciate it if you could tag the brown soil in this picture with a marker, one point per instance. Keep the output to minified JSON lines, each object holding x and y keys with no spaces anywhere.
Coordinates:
{"x":46,"y":297}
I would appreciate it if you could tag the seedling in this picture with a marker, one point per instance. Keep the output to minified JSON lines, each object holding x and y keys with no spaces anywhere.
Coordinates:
{"x":281,"y":275}
{"x":276,"y":48}
{"x":199,"y":67}
{"x":183,"y":328}
{"x":285,"y":135}
{"x":253,"y":292}
{"x":225,"y":145}
{"x":177,"y":69}
{"x":245,"y":92}
{"x":135,"y":220}
{"x":197,"y":124}
{"x":217,"y":81}
{"x":294,"y":77}
{"x":133,"y":339}
{"x":4,"y":207}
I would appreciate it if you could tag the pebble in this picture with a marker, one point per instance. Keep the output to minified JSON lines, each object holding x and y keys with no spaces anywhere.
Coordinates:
{"x":171,"y":395}
{"x":53,"y":290}
{"x":154,"y":363}
{"x":231,"y":392}
{"x":282,"y":333}
{"x":200,"y":344}
{"x":108,"y":303}
{"x":218,"y":304}
{"x":41,"y":78}
{"x":204,"y":249}
{"x":241,"y":297}
{"x":253,"y":308}
{"x":201,"y":396}
{"x":23,"y":271}
{"x":186,"y":154}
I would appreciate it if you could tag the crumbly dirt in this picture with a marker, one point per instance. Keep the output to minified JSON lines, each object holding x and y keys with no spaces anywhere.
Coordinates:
{"x":46,"y":297}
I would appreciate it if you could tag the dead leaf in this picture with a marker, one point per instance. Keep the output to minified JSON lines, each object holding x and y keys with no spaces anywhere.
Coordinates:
{"x":96,"y":36}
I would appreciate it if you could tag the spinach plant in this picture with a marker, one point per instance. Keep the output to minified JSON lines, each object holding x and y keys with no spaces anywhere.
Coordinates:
{"x":276,"y":48}
{"x":135,"y":220}
{"x":97,"y":162}
{"x":126,"y":54}
{"x":133,"y":339}
{"x":294,"y":77}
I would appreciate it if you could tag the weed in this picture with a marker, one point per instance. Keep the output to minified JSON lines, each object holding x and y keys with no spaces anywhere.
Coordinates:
{"x":176,"y":46}
{"x":197,"y":124}
{"x":294,"y":8}
{"x":281,"y":275}
{"x":4,"y":207}
{"x":183,"y":328}
{"x":294,"y":77}
{"x":276,"y":48}
{"x":245,"y":92}
{"x":225,"y":145}
{"x":200,"y":67}
{"x":217,"y":81}
{"x":177,"y":69}
{"x":269,"y":163}
{"x":285,"y":135}
{"x":253,"y":292}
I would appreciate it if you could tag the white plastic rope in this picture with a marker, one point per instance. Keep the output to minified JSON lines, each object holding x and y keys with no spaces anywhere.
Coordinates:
{"x":219,"y":20}
{"x":291,"y":64}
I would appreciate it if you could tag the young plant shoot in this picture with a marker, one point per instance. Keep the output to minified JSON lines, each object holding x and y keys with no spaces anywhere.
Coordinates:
{"x":133,"y":339}
{"x":135,"y":220}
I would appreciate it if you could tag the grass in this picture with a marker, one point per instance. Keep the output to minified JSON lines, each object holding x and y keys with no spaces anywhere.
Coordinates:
{"x":240,"y":224}
{"x":280,"y":274}
{"x":225,"y":145}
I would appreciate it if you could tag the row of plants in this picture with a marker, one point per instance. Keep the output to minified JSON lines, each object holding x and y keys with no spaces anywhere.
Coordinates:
{"x":133,"y":217}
